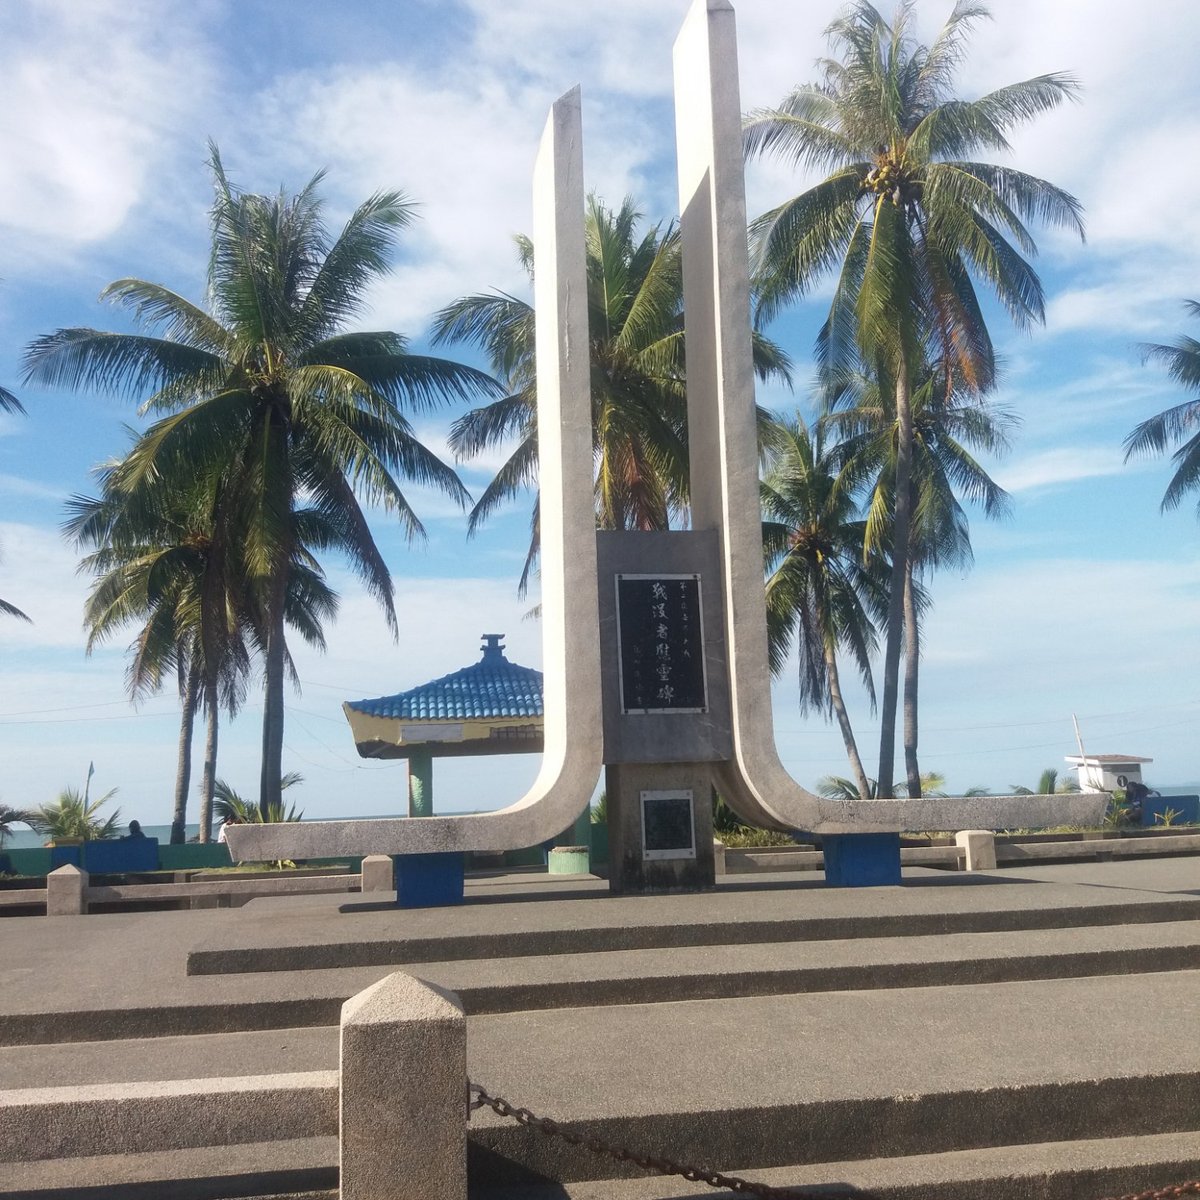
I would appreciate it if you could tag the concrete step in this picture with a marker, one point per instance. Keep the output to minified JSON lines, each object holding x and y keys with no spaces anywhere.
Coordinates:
{"x":280,"y":1000}
{"x":1076,"y":1170}
{"x":798,"y":1080}
{"x":307,"y":1169}
{"x":740,"y":911}
{"x":299,"y":1167}
{"x":263,"y":1052}
{"x":769,"y":1081}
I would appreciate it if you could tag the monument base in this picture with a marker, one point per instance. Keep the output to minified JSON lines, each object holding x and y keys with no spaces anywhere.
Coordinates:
{"x":428,"y":880}
{"x":861,"y":859}
{"x":659,"y":827}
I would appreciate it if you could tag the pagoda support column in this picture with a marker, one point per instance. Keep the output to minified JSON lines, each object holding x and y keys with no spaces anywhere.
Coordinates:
{"x":420,"y":784}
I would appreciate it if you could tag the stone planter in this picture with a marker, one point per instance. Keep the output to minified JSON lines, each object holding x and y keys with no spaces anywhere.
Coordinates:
{"x":569,"y":860}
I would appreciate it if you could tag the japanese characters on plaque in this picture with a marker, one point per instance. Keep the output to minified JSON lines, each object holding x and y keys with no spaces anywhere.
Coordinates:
{"x":661,"y":644}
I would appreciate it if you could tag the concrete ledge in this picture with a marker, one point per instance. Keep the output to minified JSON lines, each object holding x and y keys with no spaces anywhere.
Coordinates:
{"x":1047,"y":1170}
{"x":22,"y":897}
{"x":301,"y":885}
{"x":495,"y":985}
{"x":298,"y":1166}
{"x":367,"y":950}
{"x":736,"y":1138}
{"x":782,"y":858}
{"x":1133,"y":847}
{"x":132,"y":1118}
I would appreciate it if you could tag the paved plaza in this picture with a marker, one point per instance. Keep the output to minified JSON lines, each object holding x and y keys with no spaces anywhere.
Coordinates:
{"x":1028,"y":1023}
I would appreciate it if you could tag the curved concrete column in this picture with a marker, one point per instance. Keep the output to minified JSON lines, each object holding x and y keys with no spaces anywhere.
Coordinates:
{"x":570,"y":621}
{"x":724,"y":462}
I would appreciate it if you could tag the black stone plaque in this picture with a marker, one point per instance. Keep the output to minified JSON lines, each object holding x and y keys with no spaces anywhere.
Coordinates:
{"x":661,"y":644}
{"x":668,"y":828}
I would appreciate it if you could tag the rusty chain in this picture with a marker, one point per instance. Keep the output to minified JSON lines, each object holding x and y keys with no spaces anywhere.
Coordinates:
{"x":478,"y":1097}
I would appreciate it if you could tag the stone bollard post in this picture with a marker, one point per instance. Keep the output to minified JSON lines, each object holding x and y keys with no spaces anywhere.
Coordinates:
{"x":980,"y":845}
{"x":403,"y":1093}
{"x":719,"y":856}
{"x":66,"y":892}
{"x":377,"y":873}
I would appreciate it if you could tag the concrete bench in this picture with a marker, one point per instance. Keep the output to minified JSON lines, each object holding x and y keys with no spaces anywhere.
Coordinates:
{"x":69,"y":891}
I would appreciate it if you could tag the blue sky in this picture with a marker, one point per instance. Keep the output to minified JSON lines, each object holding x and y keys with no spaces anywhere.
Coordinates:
{"x":1085,"y":601}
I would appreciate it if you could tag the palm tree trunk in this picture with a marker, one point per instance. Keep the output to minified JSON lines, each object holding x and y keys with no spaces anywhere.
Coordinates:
{"x":280,"y":482}
{"x":183,"y":771}
{"x":843,"y":720}
{"x":209,"y":777}
{"x":270,"y":794}
{"x":895,"y":617}
{"x":912,"y":659}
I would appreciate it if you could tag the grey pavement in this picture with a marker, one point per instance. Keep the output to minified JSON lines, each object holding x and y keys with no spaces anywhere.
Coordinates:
{"x":833,"y":1055}
{"x":768,"y":908}
{"x":172,"y":1005}
{"x":1086,"y":1167}
{"x":128,"y":961}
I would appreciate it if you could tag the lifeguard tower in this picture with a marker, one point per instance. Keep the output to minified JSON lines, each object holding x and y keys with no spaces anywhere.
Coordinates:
{"x":1107,"y":772}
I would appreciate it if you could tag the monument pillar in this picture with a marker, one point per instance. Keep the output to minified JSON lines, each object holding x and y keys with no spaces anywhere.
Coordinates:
{"x":660,"y":833}
{"x":665,"y":704}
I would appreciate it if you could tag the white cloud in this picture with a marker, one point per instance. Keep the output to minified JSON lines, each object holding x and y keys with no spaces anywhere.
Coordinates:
{"x":1054,"y":468}
{"x":1134,"y":300}
{"x":1072,"y":621}
{"x":15,"y":485}
{"x":619,"y":45}
{"x":38,"y":570}
{"x":86,"y":132}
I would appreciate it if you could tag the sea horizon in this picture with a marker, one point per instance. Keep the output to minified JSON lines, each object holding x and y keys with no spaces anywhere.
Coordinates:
{"x":26,"y":839}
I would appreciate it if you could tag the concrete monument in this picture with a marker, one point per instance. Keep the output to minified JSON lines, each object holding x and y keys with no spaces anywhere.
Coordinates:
{"x":655,"y":645}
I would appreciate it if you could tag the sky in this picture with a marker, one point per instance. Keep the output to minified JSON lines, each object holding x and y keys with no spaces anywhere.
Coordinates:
{"x":1085,"y":601}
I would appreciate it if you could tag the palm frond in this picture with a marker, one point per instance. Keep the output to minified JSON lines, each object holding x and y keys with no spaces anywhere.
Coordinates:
{"x":9,"y":402}
{"x":117,"y":363}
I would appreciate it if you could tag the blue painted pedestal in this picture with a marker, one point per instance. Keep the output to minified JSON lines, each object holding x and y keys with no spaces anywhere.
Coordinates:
{"x":861,"y":859}
{"x":428,"y":880}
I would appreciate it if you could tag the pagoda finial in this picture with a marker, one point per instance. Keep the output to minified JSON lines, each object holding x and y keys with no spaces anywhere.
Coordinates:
{"x":493,"y":651}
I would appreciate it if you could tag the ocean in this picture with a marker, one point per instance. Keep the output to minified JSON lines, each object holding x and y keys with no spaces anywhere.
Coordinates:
{"x":26,"y":839}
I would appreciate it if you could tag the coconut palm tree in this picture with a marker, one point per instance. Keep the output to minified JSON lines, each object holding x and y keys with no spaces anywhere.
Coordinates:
{"x":639,"y":406}
{"x":1048,"y":783}
{"x":157,"y":564}
{"x":908,"y":223}
{"x":231,"y":808}
{"x":8,"y":818}
{"x":268,"y":388}
{"x":823,"y":593}
{"x":169,"y":561}
{"x":949,"y":423}
{"x":75,"y":815}
{"x":837,"y":787}
{"x":1180,"y":424}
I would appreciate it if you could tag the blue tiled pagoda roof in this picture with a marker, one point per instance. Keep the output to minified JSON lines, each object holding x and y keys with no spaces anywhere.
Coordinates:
{"x":493,"y":687}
